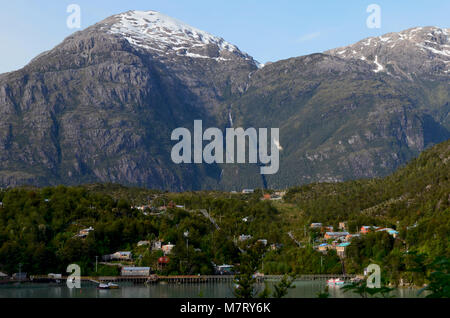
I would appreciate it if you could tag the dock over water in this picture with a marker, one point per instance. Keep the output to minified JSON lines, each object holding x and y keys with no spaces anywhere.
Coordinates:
{"x":185,"y":279}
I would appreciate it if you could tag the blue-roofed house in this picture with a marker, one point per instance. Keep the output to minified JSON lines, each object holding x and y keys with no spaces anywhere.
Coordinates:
{"x":390,"y":231}
{"x":324,"y":247}
{"x":341,"y":248}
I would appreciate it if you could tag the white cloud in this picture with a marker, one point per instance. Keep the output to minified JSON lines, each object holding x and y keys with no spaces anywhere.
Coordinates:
{"x":309,"y":37}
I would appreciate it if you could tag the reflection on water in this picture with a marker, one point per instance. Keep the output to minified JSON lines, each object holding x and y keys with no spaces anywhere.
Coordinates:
{"x":304,"y":289}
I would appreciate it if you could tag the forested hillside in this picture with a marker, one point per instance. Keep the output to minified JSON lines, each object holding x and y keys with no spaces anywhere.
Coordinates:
{"x":39,"y":226}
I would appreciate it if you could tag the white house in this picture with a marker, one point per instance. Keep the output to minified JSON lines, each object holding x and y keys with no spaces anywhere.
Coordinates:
{"x":167,"y":249}
{"x":156,"y":246}
{"x":263,"y":241}
{"x":143,"y":243}
{"x":85,"y":232}
{"x":121,"y":256}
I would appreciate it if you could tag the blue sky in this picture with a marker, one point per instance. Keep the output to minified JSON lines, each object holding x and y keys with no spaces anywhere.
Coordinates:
{"x":268,"y":30}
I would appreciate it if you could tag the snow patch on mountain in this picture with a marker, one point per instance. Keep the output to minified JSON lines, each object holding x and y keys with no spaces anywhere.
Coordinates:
{"x":152,"y":30}
{"x":379,"y":66}
{"x":405,"y":50}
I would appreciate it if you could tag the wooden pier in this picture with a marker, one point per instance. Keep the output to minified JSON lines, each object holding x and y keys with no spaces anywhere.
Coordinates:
{"x":310,"y":277}
{"x":184,"y":279}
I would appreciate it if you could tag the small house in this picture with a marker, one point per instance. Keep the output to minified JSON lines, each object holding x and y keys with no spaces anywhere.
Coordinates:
{"x":121,"y":256}
{"x":85,"y":232}
{"x":280,"y":194}
{"x":390,"y":231}
{"x":263,"y":242}
{"x":143,"y":243}
{"x":135,"y":271}
{"x":341,"y":248}
{"x":224,"y":269}
{"x":366,"y":229}
{"x":335,"y":235}
{"x":275,"y":197}
{"x":167,"y":249}
{"x":157,"y":245}
{"x":343,"y":226}
{"x":316,"y":225}
{"x":248,"y":191}
{"x":324,"y":247}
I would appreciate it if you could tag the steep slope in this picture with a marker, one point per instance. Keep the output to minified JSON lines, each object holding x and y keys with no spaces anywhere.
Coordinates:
{"x":101,"y":105}
{"x":341,"y":116}
{"x":414,"y":199}
{"x":421,"y":51}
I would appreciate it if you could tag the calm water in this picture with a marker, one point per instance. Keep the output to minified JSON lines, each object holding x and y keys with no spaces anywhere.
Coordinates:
{"x":304,"y":289}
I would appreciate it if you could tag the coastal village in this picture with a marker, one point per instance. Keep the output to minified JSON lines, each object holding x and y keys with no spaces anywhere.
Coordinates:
{"x":326,"y":239}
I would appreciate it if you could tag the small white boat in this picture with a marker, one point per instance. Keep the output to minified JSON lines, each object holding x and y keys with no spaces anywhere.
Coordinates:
{"x":103,"y":286}
{"x":335,"y":282}
{"x":108,"y":286}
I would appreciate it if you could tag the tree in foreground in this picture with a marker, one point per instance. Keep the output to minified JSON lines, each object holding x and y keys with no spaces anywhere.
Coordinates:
{"x":439,"y":279}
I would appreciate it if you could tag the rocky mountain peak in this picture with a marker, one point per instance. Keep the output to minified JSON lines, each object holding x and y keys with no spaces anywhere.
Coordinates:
{"x":420,"y":50}
{"x":166,"y":36}
{"x":101,"y":106}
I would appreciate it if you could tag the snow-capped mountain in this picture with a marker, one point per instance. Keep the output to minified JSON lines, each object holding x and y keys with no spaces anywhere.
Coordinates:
{"x":101,"y":106}
{"x":421,"y":50}
{"x":156,"y":31}
{"x":165,"y":36}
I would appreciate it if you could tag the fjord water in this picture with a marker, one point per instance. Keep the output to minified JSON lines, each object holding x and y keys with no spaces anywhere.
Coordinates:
{"x":303,"y":289}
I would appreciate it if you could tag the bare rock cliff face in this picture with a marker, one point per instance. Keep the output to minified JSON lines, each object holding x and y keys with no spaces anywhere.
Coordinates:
{"x":101,"y":106}
{"x":98,"y":108}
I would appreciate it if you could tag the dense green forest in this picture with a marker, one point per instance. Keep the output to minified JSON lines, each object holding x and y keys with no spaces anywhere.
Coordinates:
{"x":39,"y":226}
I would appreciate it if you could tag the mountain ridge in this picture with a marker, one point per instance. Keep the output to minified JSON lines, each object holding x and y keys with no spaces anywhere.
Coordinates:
{"x":100,"y":106}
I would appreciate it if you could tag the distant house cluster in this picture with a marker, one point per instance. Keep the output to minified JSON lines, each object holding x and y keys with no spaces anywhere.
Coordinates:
{"x":341,"y":240}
